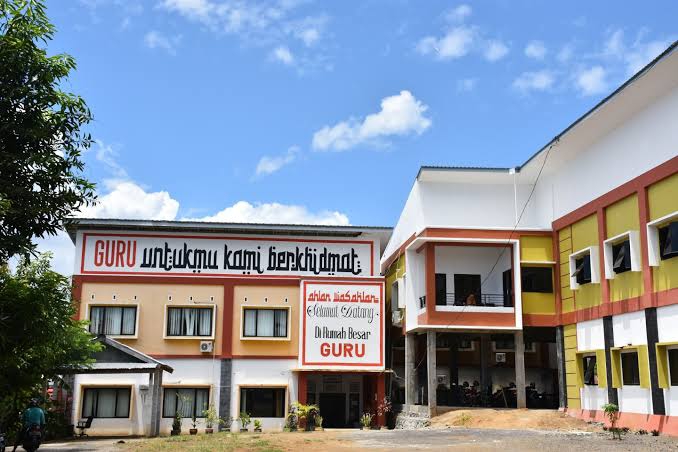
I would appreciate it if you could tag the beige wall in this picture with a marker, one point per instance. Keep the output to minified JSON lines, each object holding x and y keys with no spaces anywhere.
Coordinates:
{"x":276,"y":296}
{"x":152,"y":300}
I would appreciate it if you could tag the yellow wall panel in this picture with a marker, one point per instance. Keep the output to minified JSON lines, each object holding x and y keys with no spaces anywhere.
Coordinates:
{"x":626,"y":285}
{"x":568,"y":305}
{"x":585,"y":233}
{"x":662,"y":197}
{"x":571,"y":374}
{"x":539,"y":303}
{"x":564,"y":233}
{"x":666,"y":275}
{"x":536,"y":249}
{"x":622,"y":216}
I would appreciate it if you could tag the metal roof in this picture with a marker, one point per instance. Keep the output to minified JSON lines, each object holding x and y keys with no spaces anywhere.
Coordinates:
{"x":205,"y":226}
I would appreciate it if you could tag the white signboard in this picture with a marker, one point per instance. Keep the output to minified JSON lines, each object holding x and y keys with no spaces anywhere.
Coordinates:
{"x":110,"y":253}
{"x":342,"y":325}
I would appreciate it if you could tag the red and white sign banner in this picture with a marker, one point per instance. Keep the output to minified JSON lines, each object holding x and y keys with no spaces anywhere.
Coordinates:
{"x":216,"y":256}
{"x":342,"y":325}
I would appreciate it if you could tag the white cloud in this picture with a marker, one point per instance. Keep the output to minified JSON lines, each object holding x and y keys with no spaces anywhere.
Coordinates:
{"x":455,"y":44}
{"x":642,"y":53}
{"x":283,"y":55}
{"x":105,"y":154}
{"x":566,"y":53}
{"x":495,"y":50}
{"x":636,"y":54}
{"x":467,"y":84}
{"x":534,"y":81}
{"x":536,"y":50}
{"x":592,"y":81}
{"x":269,"y":165}
{"x":128,"y":200}
{"x":401,"y":114}
{"x":157,"y":40}
{"x":244,"y":212}
{"x":459,"y":14}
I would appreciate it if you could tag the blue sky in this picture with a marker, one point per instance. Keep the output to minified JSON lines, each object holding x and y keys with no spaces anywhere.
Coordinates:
{"x":311,"y":111}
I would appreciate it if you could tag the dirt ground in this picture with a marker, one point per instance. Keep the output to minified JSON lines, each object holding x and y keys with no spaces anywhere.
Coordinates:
{"x":511,"y":419}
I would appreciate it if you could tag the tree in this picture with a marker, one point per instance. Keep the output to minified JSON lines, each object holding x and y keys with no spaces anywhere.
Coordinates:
{"x":41,"y":140}
{"x":39,"y":336}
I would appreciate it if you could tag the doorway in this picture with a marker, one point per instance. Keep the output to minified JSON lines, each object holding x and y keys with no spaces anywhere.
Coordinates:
{"x":333,"y":409}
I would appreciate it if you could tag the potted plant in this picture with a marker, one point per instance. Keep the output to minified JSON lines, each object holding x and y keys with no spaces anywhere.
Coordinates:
{"x":245,"y":421}
{"x":383,"y":409}
{"x":176,"y":424}
{"x":366,"y":421}
{"x":211,"y":418}
{"x":319,"y":422}
{"x":305,"y":415}
{"x":292,"y":421}
{"x":257,"y":425}
{"x":194,"y":422}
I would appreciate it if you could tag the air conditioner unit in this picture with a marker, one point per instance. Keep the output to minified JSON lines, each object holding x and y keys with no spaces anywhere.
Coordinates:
{"x":500,"y":357}
{"x":397,"y":317}
{"x":206,"y":346}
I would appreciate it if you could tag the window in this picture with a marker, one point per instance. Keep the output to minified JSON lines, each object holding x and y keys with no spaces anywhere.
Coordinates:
{"x":630,"y":371}
{"x":188,"y":401}
{"x":668,"y":241}
{"x":441,"y":289}
{"x":189,"y":322}
{"x":590,"y":370}
{"x":467,"y":290}
{"x":265,"y":323}
{"x":106,"y":402}
{"x":537,"y":279}
{"x":507,"y":344}
{"x":113,"y":320}
{"x":263,"y":402}
{"x":673,"y":366}
{"x":621,"y":257}
{"x":582,"y":271}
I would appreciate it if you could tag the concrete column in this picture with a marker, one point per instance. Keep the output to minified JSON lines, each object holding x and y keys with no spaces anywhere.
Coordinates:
{"x":652,"y":339}
{"x":381,"y":394}
{"x":560,"y":356}
{"x":156,"y":402}
{"x":302,"y":388}
{"x":410,"y":371}
{"x":225,"y":391}
{"x":454,"y":366}
{"x":608,"y":337}
{"x":485,"y":380}
{"x":520,"y":369}
{"x":431,"y":372}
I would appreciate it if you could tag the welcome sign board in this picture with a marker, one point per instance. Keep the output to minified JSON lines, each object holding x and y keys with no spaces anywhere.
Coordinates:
{"x":342,"y":325}
{"x":104,"y":253}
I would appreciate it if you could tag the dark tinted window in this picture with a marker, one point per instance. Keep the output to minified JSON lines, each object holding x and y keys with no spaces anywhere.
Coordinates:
{"x":668,"y":240}
{"x":263,"y":402}
{"x":590,"y":370}
{"x":630,"y":372}
{"x":673,"y":366}
{"x":537,"y":279}
{"x":106,"y":402}
{"x":621,"y":257}
{"x":583,"y":269}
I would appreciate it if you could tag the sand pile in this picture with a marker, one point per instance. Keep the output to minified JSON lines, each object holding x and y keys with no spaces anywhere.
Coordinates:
{"x":510,"y":419}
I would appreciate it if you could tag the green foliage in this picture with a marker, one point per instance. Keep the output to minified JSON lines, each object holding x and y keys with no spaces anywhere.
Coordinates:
{"x":612,"y":412}
{"x":41,"y":140}
{"x":366,"y":420}
{"x":257,"y":424}
{"x":244,"y":419}
{"x":211,"y":417}
{"x":40,"y":338}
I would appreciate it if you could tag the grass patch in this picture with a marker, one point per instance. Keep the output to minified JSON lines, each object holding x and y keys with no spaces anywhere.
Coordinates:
{"x":216,"y":442}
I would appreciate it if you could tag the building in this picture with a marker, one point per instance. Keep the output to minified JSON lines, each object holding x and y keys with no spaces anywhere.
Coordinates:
{"x":560,"y":274}
{"x":240,"y":317}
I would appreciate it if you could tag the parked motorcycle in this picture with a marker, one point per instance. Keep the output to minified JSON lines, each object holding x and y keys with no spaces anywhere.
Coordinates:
{"x":32,"y":438}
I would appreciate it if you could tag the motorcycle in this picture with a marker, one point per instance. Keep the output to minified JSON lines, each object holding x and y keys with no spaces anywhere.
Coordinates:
{"x":32,"y":438}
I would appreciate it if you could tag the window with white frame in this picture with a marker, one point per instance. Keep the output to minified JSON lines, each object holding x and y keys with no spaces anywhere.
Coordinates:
{"x":189,"y":321}
{"x":113,"y":320}
{"x":668,"y":241}
{"x":584,"y":267}
{"x":582,"y":272}
{"x":106,"y":402}
{"x":189,"y":402}
{"x":266,"y":323}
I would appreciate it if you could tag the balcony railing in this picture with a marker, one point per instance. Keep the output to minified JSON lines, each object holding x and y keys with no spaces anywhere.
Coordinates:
{"x":475,"y":299}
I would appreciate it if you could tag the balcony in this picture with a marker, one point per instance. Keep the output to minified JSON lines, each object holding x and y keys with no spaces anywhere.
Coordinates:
{"x":475,"y":299}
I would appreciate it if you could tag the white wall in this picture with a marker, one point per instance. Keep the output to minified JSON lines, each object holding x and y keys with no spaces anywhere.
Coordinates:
{"x":613,"y":160}
{"x":629,"y":329}
{"x":593,"y":397}
{"x":473,"y":260}
{"x":262,"y":372}
{"x":590,"y":335}
{"x":187,"y":372}
{"x":667,"y":323}
{"x":415,"y":286}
